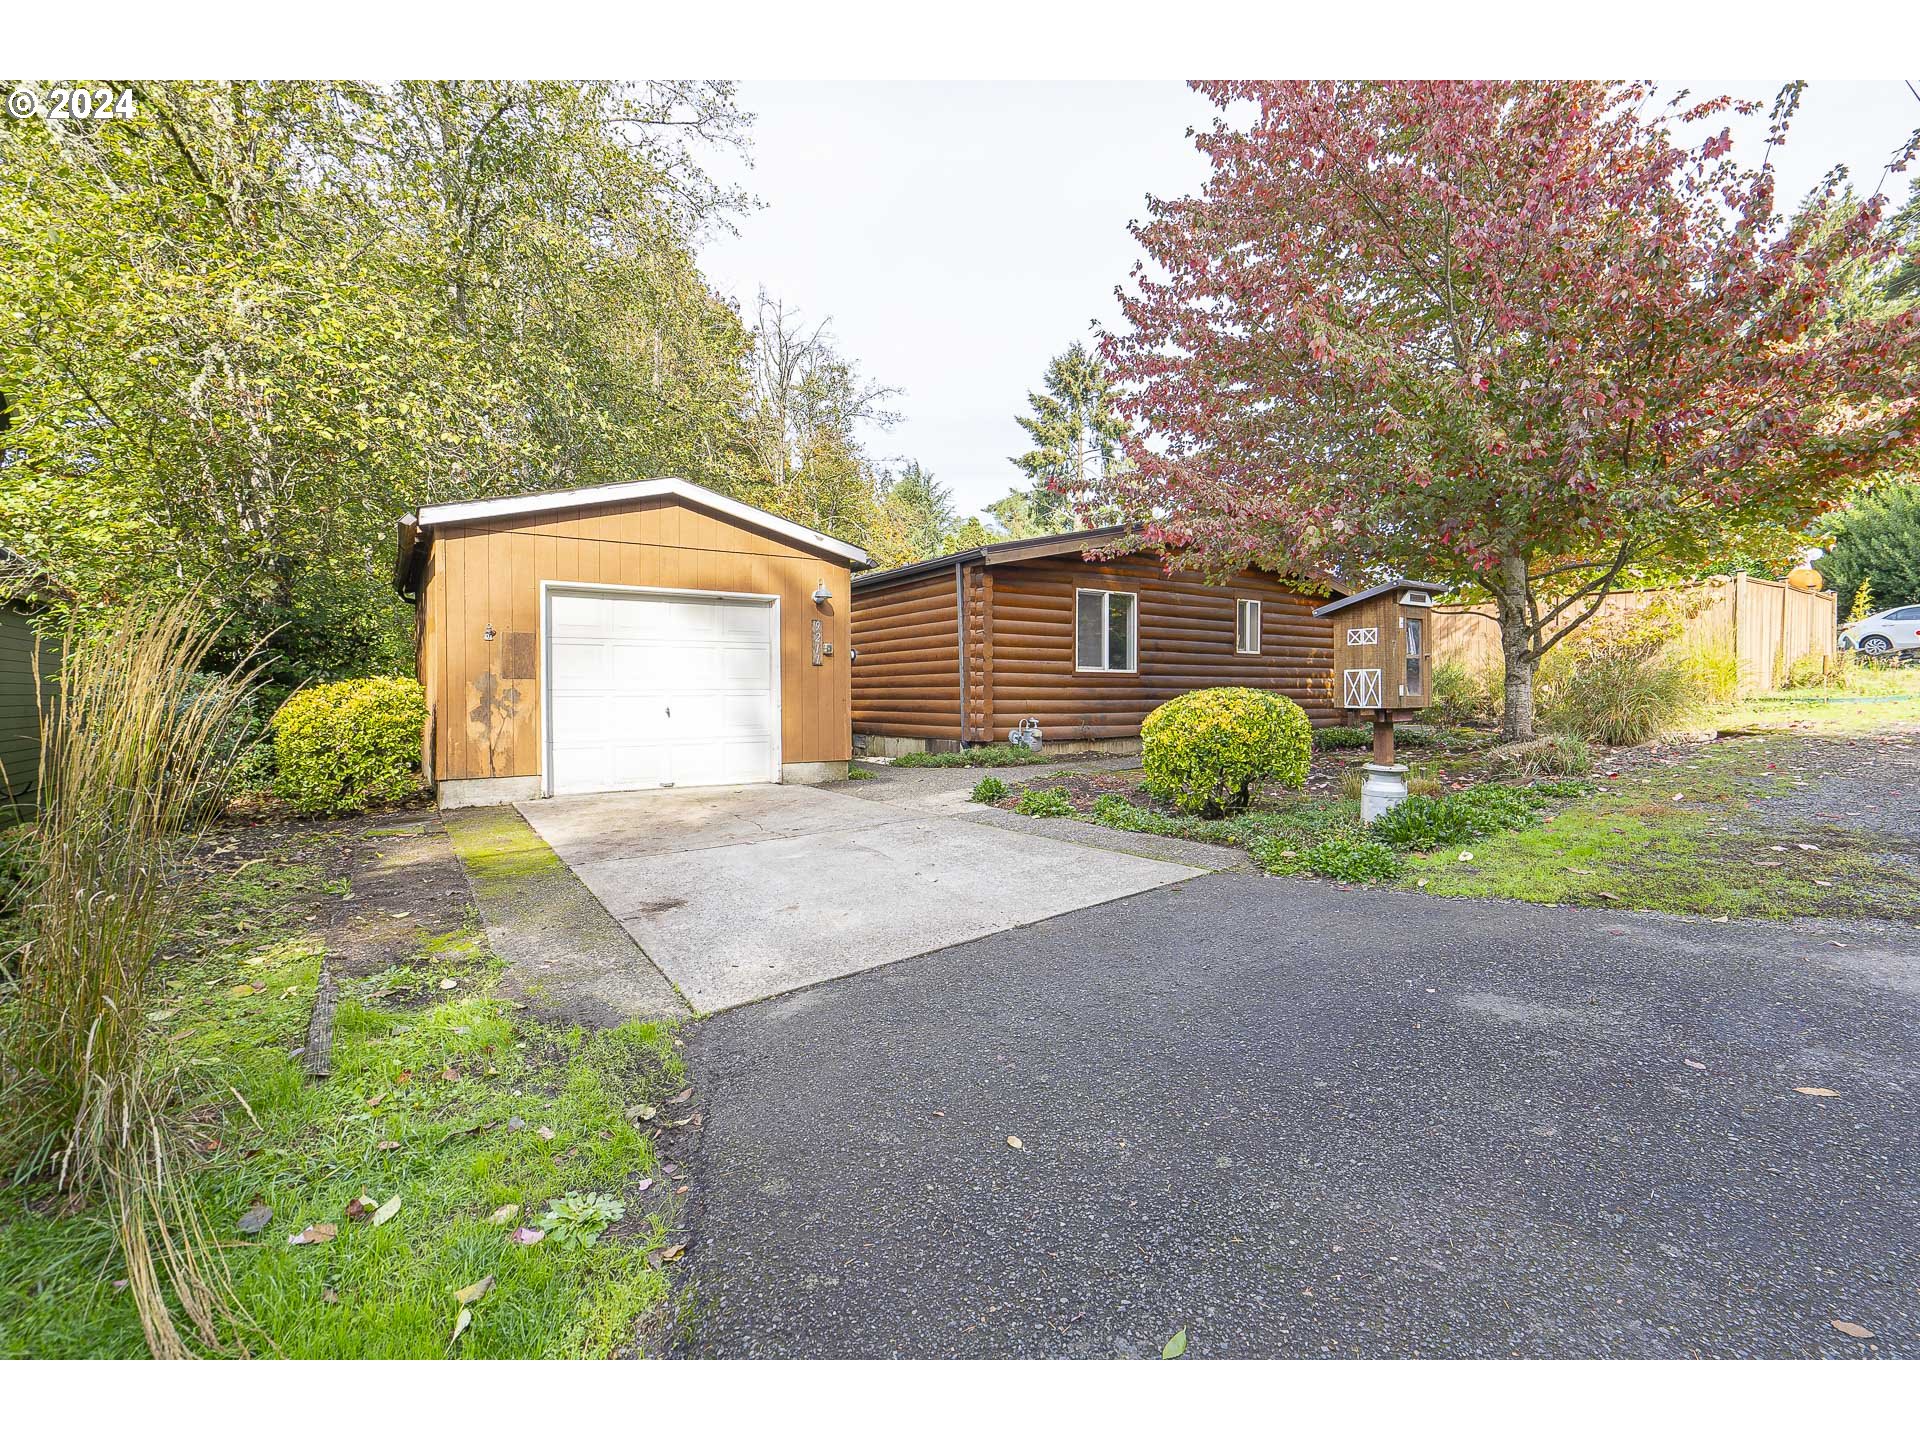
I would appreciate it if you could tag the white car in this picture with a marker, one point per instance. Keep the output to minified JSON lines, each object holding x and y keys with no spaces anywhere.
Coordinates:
{"x":1884,"y":633}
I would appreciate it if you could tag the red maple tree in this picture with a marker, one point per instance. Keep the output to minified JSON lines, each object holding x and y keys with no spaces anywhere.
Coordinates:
{"x":1517,"y":334}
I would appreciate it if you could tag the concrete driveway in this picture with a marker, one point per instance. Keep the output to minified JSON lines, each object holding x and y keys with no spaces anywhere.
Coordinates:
{"x":742,"y":892}
{"x":1295,"y":1120}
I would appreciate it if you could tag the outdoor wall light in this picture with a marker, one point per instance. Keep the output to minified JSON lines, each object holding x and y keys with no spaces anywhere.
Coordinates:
{"x":821,"y":594}
{"x":487,"y":634}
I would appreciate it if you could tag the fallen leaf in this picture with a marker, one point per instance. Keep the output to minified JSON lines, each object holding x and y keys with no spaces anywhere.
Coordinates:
{"x":254,"y":1221}
{"x":460,"y":1326}
{"x":682,"y":1098}
{"x":374,"y":1103}
{"x":476,"y":1291}
{"x":527,"y":1235}
{"x":1176,"y":1347}
{"x":1816,"y":1090}
{"x":405,"y":1077}
{"x":398,"y":914}
{"x":329,"y":1296}
{"x":1847,"y":1327}
{"x":361,"y":1208}
{"x":644,"y":1112}
{"x":505,"y":1215}
{"x":1679,"y":796}
{"x":1824,"y":884}
{"x":389,"y":1144}
{"x":544,"y":1132}
{"x":1014,"y":1141}
{"x":1466,"y":854}
{"x":1838,"y":944}
{"x":449,"y":1073}
{"x":669,"y":1167}
{"x":1802,"y":845}
{"x":1576,"y":870}
{"x":314,"y":1235}
{"x":1696,"y":1064}
{"x":449,"y":983}
{"x":386,"y":1212}
{"x":516,"y":1123}
{"x":644,"y":1183}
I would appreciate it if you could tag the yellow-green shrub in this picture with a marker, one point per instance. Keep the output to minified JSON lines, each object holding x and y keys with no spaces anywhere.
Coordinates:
{"x":1205,"y":751}
{"x":349,"y":745}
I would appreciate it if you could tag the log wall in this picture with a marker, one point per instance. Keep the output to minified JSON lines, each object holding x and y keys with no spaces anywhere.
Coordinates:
{"x":1018,"y":625}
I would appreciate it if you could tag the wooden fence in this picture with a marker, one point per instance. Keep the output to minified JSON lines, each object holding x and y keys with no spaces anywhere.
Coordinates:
{"x":1767,"y":623}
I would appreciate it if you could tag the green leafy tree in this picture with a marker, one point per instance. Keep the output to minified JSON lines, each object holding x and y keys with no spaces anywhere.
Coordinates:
{"x":1876,"y":548}
{"x":1077,"y":437}
{"x":253,"y":325}
{"x":915,"y":517}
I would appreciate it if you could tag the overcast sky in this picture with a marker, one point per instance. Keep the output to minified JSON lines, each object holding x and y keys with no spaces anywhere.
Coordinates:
{"x":960,"y":235}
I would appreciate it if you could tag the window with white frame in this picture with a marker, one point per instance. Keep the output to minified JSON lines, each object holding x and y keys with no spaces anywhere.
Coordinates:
{"x":1414,"y":636}
{"x":1105,"y":629}
{"x":1246,"y":627}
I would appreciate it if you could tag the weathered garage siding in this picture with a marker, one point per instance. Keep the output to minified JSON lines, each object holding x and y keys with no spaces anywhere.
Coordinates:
{"x":485,"y":695}
{"x":906,"y":680}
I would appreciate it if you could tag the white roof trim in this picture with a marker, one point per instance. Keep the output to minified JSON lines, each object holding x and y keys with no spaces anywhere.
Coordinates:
{"x":433,"y":515}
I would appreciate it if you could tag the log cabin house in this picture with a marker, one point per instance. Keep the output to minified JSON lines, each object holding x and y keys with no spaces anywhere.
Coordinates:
{"x":960,"y":650}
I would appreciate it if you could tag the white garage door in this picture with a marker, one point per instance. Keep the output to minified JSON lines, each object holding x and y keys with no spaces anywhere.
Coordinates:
{"x":648,"y":690}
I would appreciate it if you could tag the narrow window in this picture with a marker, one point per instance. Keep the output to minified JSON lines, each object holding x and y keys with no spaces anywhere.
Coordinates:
{"x":1105,"y":630}
{"x":1246,"y":626}
{"x":1412,"y":685}
{"x":1090,"y":641}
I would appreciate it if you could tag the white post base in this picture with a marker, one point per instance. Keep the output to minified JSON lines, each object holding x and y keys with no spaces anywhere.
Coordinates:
{"x":1384,"y":788}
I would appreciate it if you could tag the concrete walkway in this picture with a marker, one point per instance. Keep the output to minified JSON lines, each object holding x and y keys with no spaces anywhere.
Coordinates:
{"x":741,"y":892}
{"x":566,"y":958}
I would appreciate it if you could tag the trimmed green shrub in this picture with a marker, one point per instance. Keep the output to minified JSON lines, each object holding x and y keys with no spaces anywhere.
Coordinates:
{"x":990,"y":789}
{"x":345,"y":747}
{"x":1342,"y":855}
{"x":1206,"y":750}
{"x":1053,"y":802}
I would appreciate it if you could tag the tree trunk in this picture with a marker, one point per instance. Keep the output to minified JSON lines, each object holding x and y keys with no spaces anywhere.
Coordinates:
{"x":1516,"y":648}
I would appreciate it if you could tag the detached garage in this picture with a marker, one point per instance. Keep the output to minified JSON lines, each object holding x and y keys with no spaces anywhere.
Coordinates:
{"x":626,"y":637}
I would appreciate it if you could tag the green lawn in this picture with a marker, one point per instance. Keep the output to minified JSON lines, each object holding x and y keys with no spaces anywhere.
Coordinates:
{"x":442,"y":1095}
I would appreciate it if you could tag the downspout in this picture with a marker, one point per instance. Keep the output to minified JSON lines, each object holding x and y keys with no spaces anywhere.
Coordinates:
{"x":960,"y":643}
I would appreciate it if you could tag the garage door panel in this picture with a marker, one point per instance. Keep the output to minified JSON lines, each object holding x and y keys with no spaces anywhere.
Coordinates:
{"x":576,"y":615}
{"x":745,"y":669}
{"x":580,"y":717}
{"x":579,"y":665}
{"x":747,"y":715}
{"x":657,"y":690}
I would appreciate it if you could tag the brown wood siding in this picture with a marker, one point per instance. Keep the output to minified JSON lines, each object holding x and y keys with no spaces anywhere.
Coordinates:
{"x":486,"y":719}
{"x":1020,"y":649}
{"x":907,"y":678}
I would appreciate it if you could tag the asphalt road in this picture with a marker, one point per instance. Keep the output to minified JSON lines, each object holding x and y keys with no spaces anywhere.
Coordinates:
{"x":1295,"y":1120}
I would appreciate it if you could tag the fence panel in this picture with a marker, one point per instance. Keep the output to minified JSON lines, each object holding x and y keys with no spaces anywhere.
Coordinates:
{"x":1768,"y":623}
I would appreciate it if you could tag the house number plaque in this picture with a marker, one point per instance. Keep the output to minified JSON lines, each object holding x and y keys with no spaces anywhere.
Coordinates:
{"x":816,"y":642}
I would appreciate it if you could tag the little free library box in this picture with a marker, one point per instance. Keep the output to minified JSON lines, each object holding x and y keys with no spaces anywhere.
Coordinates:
{"x":1383,"y":672}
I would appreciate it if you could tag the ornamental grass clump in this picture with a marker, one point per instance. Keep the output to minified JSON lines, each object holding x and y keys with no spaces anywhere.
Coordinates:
{"x":134,"y":753}
{"x":1207,"y":750}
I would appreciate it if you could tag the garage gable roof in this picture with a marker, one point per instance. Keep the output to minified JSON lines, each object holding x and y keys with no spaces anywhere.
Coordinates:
{"x":414,"y":527}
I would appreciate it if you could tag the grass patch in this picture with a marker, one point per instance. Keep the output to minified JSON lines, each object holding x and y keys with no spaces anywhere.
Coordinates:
{"x":1686,"y":839}
{"x":860,"y":772}
{"x":980,"y":755}
{"x":442,"y":1095}
{"x":1054,"y":803}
